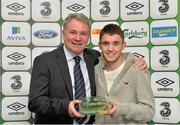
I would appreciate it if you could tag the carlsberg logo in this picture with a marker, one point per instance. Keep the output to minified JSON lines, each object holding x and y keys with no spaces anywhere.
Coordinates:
{"x":130,"y":34}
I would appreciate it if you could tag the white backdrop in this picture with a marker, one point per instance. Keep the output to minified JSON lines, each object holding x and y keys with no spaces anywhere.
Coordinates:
{"x":32,"y":27}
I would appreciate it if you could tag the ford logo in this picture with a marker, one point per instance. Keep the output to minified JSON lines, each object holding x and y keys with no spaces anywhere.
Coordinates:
{"x":45,"y":34}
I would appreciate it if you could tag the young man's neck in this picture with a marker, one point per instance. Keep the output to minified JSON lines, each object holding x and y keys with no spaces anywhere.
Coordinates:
{"x":113,"y":65}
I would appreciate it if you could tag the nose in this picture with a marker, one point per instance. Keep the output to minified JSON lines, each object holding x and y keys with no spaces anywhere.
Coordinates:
{"x":78,"y":37}
{"x":110,"y":47}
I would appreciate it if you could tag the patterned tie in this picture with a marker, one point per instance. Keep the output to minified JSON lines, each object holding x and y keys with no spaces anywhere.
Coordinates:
{"x":80,"y":90}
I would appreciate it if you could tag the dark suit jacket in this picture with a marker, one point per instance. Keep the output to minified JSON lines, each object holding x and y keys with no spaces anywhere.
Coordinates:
{"x":51,"y":87}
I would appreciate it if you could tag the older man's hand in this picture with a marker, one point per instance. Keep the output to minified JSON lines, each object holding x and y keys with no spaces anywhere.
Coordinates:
{"x":72,"y":110}
{"x":140,"y":64}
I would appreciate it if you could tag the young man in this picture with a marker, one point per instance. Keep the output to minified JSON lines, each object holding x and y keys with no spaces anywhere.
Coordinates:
{"x":52,"y":95}
{"x":128,"y":89}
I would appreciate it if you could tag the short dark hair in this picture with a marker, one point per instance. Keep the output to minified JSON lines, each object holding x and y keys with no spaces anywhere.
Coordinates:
{"x":111,"y":29}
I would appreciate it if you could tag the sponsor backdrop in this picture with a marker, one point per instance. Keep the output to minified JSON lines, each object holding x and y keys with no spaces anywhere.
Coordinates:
{"x":33,"y":27}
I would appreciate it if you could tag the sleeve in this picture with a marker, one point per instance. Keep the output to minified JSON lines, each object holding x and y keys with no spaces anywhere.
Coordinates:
{"x":144,"y":109}
{"x":39,"y":94}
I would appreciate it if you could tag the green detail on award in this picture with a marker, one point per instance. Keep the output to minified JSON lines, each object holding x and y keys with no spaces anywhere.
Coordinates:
{"x":94,"y":105}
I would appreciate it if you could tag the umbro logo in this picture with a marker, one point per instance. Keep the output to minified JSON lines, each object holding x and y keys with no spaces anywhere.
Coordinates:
{"x":164,"y":82}
{"x":16,"y":106}
{"x":15,"y":6}
{"x":16,"y":56}
{"x":75,"y":7}
{"x":138,"y":55}
{"x":134,"y":6}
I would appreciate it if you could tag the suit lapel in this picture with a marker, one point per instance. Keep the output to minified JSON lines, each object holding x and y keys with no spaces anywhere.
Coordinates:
{"x":90,"y":68}
{"x":62,"y":62}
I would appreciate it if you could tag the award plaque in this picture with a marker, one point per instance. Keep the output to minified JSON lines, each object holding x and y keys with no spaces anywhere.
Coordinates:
{"x":94,"y":105}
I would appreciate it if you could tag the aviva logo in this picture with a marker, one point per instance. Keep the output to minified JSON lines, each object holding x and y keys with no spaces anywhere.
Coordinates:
{"x":16,"y":35}
{"x":15,"y":30}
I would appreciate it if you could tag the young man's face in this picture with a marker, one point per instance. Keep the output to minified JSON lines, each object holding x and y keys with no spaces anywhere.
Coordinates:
{"x":76,"y":36}
{"x":111,"y":47}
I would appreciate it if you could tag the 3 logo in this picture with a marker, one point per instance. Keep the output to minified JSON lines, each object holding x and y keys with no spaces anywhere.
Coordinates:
{"x":165,"y":59}
{"x":17,"y":82}
{"x":106,"y":9}
{"x":46,"y":11}
{"x":164,"y":7}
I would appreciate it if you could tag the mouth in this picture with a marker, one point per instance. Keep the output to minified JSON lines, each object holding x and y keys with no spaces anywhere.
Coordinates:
{"x":74,"y":43}
{"x":110,"y":54}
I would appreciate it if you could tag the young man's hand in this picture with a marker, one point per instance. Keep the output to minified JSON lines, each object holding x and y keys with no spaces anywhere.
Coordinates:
{"x":113,"y":108}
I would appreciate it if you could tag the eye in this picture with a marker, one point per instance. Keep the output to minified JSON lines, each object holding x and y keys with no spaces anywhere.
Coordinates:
{"x":84,"y":33}
{"x":116,"y":43}
{"x":104,"y":43}
{"x":72,"y":32}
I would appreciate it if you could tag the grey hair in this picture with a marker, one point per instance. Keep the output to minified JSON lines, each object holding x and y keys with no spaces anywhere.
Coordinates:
{"x":77,"y":16}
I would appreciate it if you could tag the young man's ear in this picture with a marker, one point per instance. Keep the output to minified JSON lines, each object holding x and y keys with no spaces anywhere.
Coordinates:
{"x":124,"y":44}
{"x":99,"y":45}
